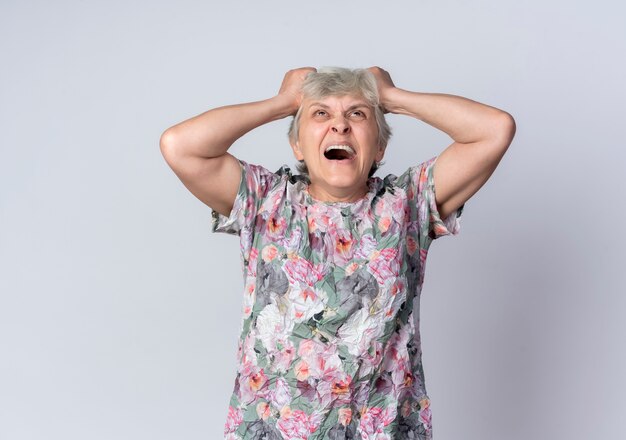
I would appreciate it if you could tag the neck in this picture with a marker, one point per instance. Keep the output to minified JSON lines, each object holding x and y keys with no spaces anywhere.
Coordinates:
{"x":337,"y":194}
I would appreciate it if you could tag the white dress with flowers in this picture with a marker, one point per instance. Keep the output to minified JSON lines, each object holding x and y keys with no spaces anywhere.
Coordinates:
{"x":330,"y":343}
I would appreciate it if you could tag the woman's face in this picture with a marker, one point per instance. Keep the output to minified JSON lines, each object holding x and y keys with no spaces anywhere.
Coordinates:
{"x":338,"y":141}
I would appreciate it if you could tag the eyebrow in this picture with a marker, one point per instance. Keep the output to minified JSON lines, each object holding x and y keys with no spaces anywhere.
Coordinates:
{"x":352,"y":107}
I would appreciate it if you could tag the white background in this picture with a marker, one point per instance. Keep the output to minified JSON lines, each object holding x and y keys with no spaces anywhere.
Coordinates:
{"x":119,"y":309}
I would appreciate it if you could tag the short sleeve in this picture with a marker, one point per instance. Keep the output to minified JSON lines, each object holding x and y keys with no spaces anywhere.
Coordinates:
{"x":253,"y":187}
{"x":431,"y":222}
{"x":418,"y":182}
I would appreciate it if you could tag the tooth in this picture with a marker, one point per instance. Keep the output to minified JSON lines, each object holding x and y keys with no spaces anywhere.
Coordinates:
{"x":340,"y":147}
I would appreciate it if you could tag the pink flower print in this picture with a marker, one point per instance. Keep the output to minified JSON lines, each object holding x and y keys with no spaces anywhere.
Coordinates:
{"x":351,"y":268}
{"x":343,"y":244}
{"x":246,"y":351}
{"x":391,"y":209}
{"x":252,"y":261}
{"x":399,"y":209}
{"x":252,"y":381}
{"x":233,"y":420}
{"x":263,"y":410}
{"x":425,"y":414}
{"x":400,"y":376}
{"x":251,"y":180}
{"x":373,"y":422}
{"x":371,"y":358}
{"x":318,"y":213}
{"x":422,"y":214}
{"x":334,"y":386}
{"x":247,"y":310}
{"x":438,"y":226}
{"x":280,"y":395}
{"x":317,"y":360}
{"x":297,"y":425}
{"x":411,"y":244}
{"x":300,"y":270}
{"x":276,"y":226}
{"x":272,"y":200}
{"x":384,"y":266}
{"x":249,"y":210}
{"x":396,"y":356}
{"x":317,"y":365}
{"x":344,"y":416}
{"x":397,"y":288}
{"x":389,"y":253}
{"x":406,"y":408}
{"x":307,"y":294}
{"x":291,"y":242}
{"x":302,"y":370}
{"x":285,"y":412}
{"x":410,"y":193}
{"x":384,"y":223}
{"x":306,"y":302}
{"x":397,"y":300}
{"x":249,"y":295}
{"x":380,"y":207}
{"x":307,"y":348}
{"x":422,"y":268}
{"x":269,"y":252}
{"x":366,"y":247}
{"x":423,"y":178}
{"x":284,"y":355}
{"x":318,"y":223}
{"x":326,"y":362}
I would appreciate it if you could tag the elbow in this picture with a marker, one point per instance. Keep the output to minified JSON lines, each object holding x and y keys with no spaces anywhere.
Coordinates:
{"x":505,"y":129}
{"x":509,"y":126}
{"x":167,"y":143}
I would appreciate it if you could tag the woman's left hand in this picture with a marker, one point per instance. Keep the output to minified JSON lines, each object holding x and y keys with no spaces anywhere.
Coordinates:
{"x":385,"y":85}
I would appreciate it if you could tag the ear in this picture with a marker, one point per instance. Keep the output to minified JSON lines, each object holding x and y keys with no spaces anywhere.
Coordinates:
{"x":295,"y":146}
{"x":380,"y":153}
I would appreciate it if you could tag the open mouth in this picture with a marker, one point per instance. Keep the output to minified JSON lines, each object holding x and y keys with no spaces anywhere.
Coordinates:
{"x":339,"y":152}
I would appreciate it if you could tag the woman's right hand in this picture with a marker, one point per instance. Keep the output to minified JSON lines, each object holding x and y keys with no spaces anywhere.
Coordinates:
{"x":291,"y":88}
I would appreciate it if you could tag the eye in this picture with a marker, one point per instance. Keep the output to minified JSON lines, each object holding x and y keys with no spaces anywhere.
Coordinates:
{"x":319,"y":113}
{"x":358,"y":114}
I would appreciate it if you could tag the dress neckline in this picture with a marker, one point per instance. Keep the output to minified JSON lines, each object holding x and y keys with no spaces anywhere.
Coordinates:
{"x":313,"y":200}
{"x":301,"y":187}
{"x":352,"y":207}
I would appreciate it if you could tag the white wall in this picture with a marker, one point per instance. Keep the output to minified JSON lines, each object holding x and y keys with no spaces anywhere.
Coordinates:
{"x":119,"y":309}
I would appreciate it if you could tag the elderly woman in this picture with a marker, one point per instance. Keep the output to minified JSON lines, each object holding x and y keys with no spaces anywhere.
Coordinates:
{"x":333,"y":257}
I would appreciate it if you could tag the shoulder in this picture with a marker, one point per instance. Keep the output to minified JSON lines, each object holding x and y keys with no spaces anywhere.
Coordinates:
{"x":259,"y":179}
{"x":415,"y":175}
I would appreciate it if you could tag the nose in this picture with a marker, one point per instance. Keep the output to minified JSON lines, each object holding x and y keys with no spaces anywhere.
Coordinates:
{"x":340,"y":126}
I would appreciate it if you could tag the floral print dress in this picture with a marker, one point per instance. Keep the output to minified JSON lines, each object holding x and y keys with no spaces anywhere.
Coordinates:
{"x":330,"y":343}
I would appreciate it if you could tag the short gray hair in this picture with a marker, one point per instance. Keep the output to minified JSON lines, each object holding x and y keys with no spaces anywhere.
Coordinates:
{"x":339,"y":81}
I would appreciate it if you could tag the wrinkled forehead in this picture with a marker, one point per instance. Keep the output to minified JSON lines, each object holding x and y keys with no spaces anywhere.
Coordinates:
{"x":330,"y":100}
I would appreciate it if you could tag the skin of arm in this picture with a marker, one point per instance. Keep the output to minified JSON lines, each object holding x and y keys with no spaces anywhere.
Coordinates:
{"x":197,"y":149}
{"x":481,"y":134}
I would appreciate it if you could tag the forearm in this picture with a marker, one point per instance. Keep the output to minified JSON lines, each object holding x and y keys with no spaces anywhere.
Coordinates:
{"x":211,"y":133}
{"x":462,"y":119}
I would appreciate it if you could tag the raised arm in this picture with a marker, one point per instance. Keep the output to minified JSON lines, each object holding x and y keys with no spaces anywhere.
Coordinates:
{"x":197,"y":149}
{"x":481,"y":135}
